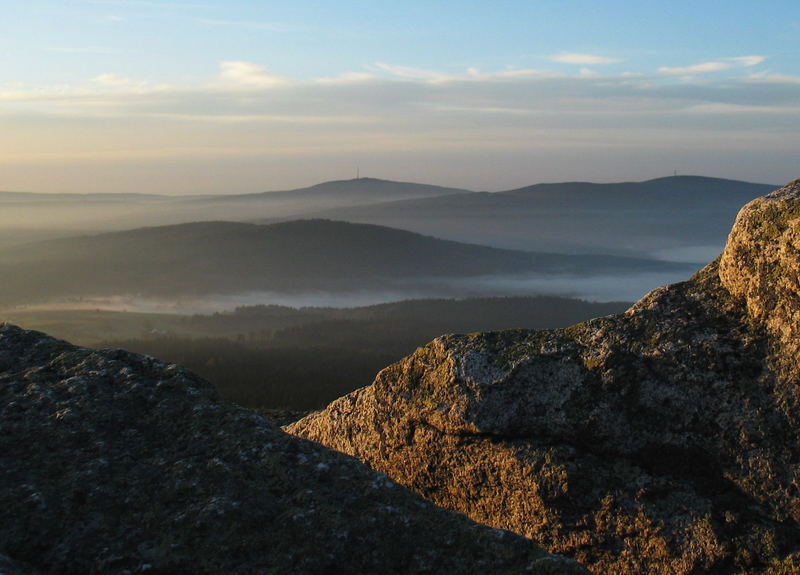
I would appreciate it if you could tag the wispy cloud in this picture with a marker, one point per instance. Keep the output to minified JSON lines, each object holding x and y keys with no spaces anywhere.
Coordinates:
{"x":740,"y":109}
{"x":695,"y":69}
{"x":748,"y":61}
{"x":712,"y":66}
{"x":468,"y":75}
{"x":410,"y":73}
{"x":247,"y":74}
{"x":348,"y":78}
{"x":769,"y":78}
{"x":389,"y":89}
{"x":583,"y":59}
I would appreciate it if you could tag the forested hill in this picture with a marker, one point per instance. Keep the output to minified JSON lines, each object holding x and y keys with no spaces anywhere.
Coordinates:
{"x":678,"y":192}
{"x":228,"y":257}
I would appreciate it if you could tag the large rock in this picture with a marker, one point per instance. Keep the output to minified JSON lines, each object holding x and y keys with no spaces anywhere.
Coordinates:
{"x":116,"y":463}
{"x":761,"y":265}
{"x":662,"y":440}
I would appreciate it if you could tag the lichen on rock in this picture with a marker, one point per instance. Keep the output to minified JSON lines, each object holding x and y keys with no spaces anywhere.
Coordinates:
{"x":662,"y":440}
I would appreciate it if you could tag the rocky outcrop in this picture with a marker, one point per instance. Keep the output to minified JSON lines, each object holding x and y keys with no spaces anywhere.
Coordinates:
{"x":116,"y":463}
{"x":761,"y":266}
{"x":662,"y":440}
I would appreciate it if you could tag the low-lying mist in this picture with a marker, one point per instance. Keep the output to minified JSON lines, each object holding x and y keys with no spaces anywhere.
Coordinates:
{"x":601,"y":288}
{"x":688,"y":254}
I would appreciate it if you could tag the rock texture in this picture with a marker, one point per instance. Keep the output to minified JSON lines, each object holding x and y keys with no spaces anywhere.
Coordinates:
{"x":116,"y":463}
{"x":761,"y":265}
{"x":662,"y":440}
{"x":10,"y":567}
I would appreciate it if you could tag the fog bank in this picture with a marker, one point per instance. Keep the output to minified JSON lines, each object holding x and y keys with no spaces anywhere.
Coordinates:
{"x":603,"y":288}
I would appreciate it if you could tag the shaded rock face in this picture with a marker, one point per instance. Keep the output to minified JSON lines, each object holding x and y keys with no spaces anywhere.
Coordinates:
{"x":116,"y":463}
{"x":661,"y":440}
{"x":10,"y":567}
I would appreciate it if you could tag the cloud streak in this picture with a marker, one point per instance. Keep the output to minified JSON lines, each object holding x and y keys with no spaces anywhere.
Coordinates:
{"x":712,"y":66}
{"x":391,"y":89}
{"x":114,"y":80}
{"x":469,"y":75}
{"x":583,"y":59}
{"x":249,"y":75}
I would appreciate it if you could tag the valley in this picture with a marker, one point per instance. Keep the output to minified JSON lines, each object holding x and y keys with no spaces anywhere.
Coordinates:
{"x":295,"y":313}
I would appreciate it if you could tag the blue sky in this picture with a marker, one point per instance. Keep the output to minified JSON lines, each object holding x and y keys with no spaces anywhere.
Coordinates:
{"x":202,"y":96}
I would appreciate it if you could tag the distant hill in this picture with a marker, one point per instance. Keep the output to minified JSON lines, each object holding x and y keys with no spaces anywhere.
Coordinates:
{"x":683,"y":217}
{"x":696,"y":190}
{"x":40,"y":216}
{"x":361,"y":190}
{"x":228,"y":257}
{"x":298,"y":202}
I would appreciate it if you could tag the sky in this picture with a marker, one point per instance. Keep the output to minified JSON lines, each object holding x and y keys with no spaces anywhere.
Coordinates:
{"x":245,"y":96}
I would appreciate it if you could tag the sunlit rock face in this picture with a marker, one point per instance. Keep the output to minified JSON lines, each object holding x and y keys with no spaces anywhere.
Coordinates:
{"x":116,"y":463}
{"x":761,"y":265}
{"x":661,"y":440}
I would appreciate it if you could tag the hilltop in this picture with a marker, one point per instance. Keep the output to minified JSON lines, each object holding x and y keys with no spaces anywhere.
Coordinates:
{"x":358,"y":190}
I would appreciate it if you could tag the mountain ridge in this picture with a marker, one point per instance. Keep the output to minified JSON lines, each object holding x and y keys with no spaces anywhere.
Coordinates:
{"x":639,"y":219}
{"x":676,"y":181}
{"x":498,"y":218}
{"x":356,"y":186}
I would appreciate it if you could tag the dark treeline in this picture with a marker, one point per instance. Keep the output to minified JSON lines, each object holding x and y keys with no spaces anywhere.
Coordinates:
{"x":277,"y":357}
{"x":262,"y":376}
